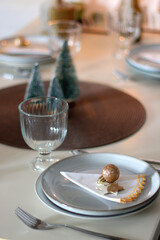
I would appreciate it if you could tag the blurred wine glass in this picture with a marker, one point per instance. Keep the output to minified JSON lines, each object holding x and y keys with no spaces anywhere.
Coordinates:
{"x":122,"y":28}
{"x":60,"y":31}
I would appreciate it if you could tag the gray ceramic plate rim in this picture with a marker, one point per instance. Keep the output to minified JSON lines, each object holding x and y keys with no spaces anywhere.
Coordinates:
{"x":51,"y":205}
{"x":77,"y":163}
{"x":144,"y":73}
{"x":146,"y":66}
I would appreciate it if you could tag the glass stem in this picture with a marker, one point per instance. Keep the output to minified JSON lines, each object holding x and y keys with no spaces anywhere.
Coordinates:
{"x":44,"y":156}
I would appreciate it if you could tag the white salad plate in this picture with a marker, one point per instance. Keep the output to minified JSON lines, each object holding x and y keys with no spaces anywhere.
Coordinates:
{"x":25,"y":56}
{"x":146,"y":59}
{"x":75,"y":199}
{"x":54,"y":207}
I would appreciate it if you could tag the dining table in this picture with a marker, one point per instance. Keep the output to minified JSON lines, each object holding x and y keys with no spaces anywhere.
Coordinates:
{"x":94,"y":64}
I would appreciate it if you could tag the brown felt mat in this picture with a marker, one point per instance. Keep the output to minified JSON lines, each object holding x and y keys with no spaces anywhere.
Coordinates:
{"x":101,"y":116}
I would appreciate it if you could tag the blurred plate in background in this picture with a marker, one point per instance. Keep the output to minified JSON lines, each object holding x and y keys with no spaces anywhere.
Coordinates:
{"x":146,"y":59}
{"x":35,"y":51}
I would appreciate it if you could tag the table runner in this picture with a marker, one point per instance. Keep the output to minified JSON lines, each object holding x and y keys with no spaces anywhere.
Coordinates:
{"x":102,"y":115}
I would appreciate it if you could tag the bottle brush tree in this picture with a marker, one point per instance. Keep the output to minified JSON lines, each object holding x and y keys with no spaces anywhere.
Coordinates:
{"x":66,"y":73}
{"x":55,"y":89}
{"x":35,"y":87}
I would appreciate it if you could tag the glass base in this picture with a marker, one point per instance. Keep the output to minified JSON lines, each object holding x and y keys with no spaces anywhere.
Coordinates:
{"x":40,"y":165}
{"x":122,"y":53}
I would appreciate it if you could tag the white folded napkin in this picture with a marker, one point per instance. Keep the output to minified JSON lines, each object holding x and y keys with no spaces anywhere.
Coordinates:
{"x":132,"y":184}
{"x":150,"y":57}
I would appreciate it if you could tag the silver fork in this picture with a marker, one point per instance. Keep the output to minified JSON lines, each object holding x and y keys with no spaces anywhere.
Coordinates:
{"x":36,"y":223}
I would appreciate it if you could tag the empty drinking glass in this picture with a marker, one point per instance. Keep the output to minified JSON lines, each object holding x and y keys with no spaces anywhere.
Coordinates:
{"x":63,"y":30}
{"x":123,"y":28}
{"x":44,"y":127}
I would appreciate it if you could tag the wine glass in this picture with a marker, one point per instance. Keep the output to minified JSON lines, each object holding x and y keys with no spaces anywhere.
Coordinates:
{"x":44,"y":127}
{"x":64,"y":30}
{"x":123,"y":28}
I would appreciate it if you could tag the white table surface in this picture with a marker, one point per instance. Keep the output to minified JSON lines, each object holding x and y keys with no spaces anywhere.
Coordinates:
{"x":95,"y":63}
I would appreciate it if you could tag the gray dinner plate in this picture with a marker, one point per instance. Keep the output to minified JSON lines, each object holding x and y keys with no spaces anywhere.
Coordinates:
{"x":22,"y":59}
{"x":136,"y":60}
{"x":54,"y":207}
{"x":73,"y":198}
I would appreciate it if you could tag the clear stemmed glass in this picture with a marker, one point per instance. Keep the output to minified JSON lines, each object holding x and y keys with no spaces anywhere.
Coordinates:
{"x":123,"y":28}
{"x":44,"y":127}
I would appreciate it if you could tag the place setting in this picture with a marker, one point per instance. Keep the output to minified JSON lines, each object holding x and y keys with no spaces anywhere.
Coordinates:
{"x":48,"y":114}
{"x":89,"y":185}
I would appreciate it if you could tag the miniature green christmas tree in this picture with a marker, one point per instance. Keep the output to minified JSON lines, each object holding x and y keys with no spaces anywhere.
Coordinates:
{"x":55,"y":89}
{"x":35,"y":87}
{"x":66,"y":73}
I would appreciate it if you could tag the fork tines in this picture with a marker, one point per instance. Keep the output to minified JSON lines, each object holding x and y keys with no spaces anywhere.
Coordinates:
{"x":27,"y":218}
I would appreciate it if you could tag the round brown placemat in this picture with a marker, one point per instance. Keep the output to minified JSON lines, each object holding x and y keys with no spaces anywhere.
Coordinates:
{"x":101,"y":116}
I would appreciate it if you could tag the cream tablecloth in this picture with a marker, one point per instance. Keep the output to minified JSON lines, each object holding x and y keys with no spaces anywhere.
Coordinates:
{"x":94,"y":63}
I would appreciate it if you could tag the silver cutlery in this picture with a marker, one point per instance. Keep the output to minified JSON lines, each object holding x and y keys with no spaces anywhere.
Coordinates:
{"x":78,"y":151}
{"x":36,"y":223}
{"x":151,"y":161}
{"x":123,"y":76}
